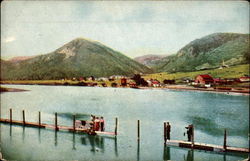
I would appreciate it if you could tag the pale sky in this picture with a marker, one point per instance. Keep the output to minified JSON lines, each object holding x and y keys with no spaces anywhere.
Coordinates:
{"x":134,"y":28}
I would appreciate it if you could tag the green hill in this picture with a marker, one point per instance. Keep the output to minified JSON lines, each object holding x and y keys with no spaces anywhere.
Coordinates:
{"x":208,"y":53}
{"x":77,"y":58}
{"x":231,"y":72}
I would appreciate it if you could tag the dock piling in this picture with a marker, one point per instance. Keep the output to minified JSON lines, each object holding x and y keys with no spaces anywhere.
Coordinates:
{"x":165,"y":133}
{"x":225,"y":140}
{"x":56,"y":128}
{"x":39,"y":119}
{"x":138,"y":130}
{"x":74,"y":124}
{"x":116,"y":122}
{"x":23,"y":117}
{"x":10,"y":116}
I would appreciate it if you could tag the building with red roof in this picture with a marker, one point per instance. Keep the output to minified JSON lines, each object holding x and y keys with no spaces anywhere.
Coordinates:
{"x":204,"y":79}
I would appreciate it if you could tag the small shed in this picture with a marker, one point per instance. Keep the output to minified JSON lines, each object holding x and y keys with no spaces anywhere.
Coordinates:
{"x":156,"y":83}
{"x":244,"y":79}
{"x":123,"y":82}
{"x":204,"y":79}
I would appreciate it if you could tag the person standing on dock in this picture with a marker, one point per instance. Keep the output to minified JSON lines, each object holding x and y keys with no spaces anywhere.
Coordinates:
{"x":97,"y":124}
{"x":168,"y":129}
{"x":102,"y":124}
{"x":189,"y":132}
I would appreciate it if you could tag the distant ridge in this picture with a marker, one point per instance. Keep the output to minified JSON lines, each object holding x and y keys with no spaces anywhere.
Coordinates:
{"x":207,"y":53}
{"x":149,"y":60}
{"x":78,"y":58}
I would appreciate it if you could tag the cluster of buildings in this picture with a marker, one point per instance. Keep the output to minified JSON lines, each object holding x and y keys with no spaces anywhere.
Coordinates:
{"x":202,"y":80}
{"x":207,"y":80}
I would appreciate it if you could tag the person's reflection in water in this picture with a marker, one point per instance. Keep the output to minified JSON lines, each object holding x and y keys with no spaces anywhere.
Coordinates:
{"x":190,"y":155}
{"x":83,"y":139}
{"x":92,"y":143}
{"x":166,"y":153}
{"x":102,"y":144}
{"x":99,"y":143}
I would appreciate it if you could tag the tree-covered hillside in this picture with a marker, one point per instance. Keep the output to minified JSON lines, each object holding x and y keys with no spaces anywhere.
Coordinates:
{"x":78,"y":58}
{"x":208,"y":53}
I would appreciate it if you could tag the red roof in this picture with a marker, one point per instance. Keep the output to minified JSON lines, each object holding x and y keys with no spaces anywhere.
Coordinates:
{"x":244,"y":77}
{"x":155,"y":82}
{"x":205,"y":76}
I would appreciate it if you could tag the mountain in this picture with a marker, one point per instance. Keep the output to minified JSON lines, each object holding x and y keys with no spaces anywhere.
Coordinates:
{"x":149,"y":60}
{"x":77,"y":58}
{"x":207,"y":53}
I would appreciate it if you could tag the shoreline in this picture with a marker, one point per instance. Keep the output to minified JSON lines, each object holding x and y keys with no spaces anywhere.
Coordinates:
{"x":5,"y":89}
{"x":242,"y":92}
{"x":171,"y":87}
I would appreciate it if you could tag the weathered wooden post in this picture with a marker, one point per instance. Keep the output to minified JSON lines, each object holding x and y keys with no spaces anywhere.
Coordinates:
{"x":56,"y":128}
{"x":116,"y":122}
{"x":138,"y":130}
{"x":39,"y":119}
{"x":74,"y":123}
{"x":225,"y":140}
{"x":165,"y":133}
{"x":23,"y":117}
{"x":10,"y":116}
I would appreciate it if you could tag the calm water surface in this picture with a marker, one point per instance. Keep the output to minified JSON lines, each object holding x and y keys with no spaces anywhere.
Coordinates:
{"x":209,"y":112}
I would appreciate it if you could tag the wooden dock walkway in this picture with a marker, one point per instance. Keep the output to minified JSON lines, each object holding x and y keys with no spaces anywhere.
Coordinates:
{"x":206,"y":147}
{"x":48,"y":126}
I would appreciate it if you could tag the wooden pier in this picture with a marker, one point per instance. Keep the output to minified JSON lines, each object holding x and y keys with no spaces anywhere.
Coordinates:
{"x":56,"y":127}
{"x":206,"y":147}
{"x":48,"y":126}
{"x":202,"y":146}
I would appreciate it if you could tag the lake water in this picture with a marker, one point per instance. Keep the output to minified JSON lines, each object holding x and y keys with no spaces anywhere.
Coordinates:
{"x":209,"y":112}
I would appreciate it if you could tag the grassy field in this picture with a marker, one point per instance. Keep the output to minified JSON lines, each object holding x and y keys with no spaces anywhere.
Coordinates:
{"x":231,"y":72}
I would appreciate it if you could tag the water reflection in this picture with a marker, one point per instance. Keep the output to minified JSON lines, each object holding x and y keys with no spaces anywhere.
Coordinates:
{"x":116,"y":149}
{"x":55,"y":138}
{"x":210,"y":126}
{"x":23,"y":133}
{"x":10,"y":131}
{"x":39,"y":135}
{"x":138,"y":150}
{"x":97,"y":143}
{"x":190,"y":156}
{"x":74,"y":141}
{"x":166,"y":153}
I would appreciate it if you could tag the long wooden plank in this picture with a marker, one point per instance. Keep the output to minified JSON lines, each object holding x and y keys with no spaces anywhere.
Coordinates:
{"x":207,"y":147}
{"x":48,"y":126}
{"x":105,"y":132}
